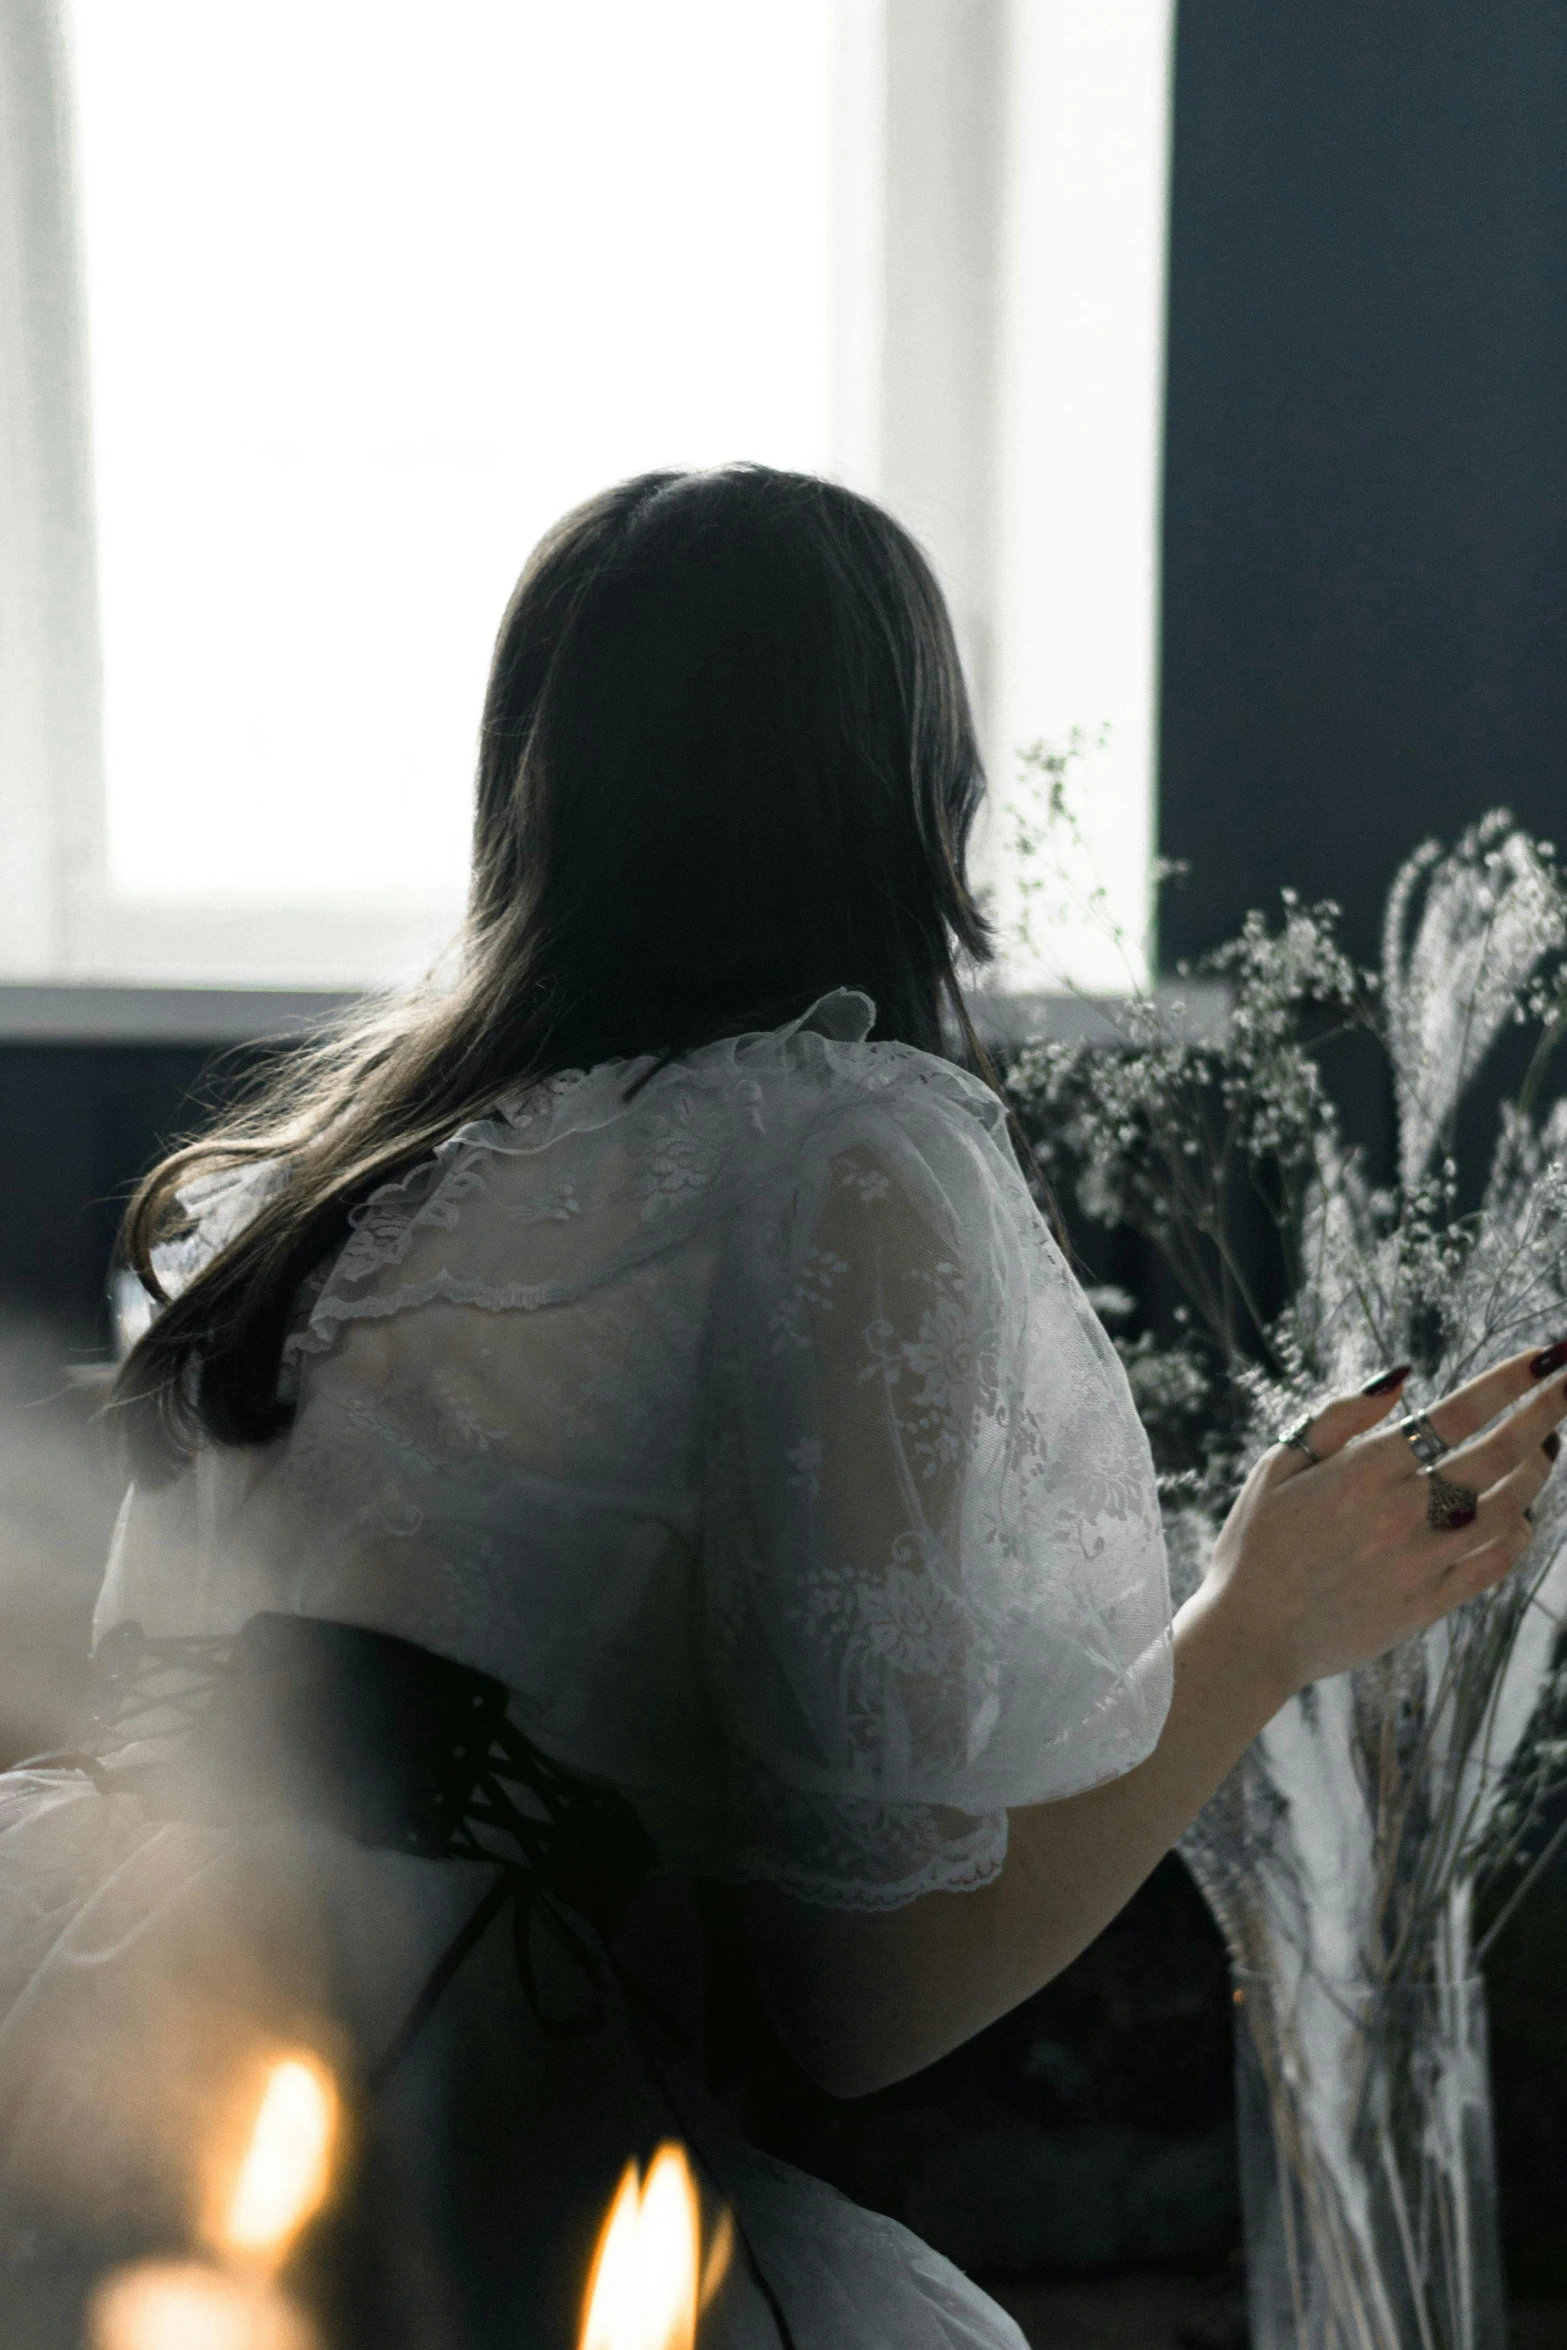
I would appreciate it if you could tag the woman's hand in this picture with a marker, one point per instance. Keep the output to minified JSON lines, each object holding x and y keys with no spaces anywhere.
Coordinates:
{"x":1322,"y":1565}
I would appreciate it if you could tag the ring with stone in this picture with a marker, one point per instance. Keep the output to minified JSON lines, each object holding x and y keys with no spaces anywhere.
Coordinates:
{"x":1449,"y":1506}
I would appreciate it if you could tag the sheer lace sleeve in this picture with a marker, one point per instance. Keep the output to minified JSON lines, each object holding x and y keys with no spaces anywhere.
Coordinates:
{"x":935,"y":1581}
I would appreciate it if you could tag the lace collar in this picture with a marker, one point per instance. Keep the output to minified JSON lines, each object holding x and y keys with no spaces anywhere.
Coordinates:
{"x":844,"y":1015}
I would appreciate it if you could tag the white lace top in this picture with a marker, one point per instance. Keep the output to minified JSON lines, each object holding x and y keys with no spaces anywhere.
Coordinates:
{"x":754,"y":1431}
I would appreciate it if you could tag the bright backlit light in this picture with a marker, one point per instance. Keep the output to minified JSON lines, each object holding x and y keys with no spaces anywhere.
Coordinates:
{"x":164,"y":2305}
{"x":288,"y":2164}
{"x":375,"y":291}
{"x":648,"y":2283}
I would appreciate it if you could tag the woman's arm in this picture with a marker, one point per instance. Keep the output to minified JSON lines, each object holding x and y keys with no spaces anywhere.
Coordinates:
{"x":863,"y":1999}
{"x":1318,"y":1567}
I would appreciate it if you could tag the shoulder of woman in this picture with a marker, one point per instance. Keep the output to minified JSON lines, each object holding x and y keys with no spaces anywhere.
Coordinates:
{"x":764,"y":1086}
{"x":827,"y":1065}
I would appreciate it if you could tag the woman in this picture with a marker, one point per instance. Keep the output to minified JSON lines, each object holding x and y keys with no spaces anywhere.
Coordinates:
{"x":658,"y":1321}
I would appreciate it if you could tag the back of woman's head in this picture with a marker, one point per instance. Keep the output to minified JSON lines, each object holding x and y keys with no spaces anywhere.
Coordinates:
{"x":726,"y":764}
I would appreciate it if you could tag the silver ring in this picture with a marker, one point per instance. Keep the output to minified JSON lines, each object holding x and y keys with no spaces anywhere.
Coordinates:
{"x":1449,"y":1506}
{"x":1295,"y":1434}
{"x":1422,"y":1439}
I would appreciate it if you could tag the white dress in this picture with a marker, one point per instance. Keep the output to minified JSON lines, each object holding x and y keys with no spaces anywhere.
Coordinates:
{"x":755,"y":1434}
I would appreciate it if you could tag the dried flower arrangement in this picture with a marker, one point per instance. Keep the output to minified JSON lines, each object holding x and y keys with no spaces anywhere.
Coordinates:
{"x":1380,"y":1814}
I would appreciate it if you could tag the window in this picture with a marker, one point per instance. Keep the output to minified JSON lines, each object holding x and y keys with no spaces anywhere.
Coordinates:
{"x":372,"y":291}
{"x":375,"y":291}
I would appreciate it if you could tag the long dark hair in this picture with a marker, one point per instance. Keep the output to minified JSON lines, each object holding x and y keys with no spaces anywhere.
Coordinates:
{"x":726,"y":764}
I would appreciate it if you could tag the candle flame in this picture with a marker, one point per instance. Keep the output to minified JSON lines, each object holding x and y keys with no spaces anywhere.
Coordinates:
{"x":647,"y":2282}
{"x":287,"y":2167}
{"x":180,"y":2305}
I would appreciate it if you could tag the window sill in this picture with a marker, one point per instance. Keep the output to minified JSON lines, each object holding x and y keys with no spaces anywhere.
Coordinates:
{"x":84,"y":1012}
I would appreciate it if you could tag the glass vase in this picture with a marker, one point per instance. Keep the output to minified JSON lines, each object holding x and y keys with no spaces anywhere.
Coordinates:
{"x":1368,"y":2181}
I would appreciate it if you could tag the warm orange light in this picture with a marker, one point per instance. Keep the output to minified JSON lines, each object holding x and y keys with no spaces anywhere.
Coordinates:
{"x":166,"y":2305}
{"x":288,"y":2165}
{"x":644,"y":2292}
{"x":720,"y":2257}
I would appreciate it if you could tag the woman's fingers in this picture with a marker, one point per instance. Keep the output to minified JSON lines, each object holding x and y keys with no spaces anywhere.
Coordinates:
{"x":1332,"y":1425}
{"x":1514,"y":1495}
{"x":1476,"y":1557}
{"x":1498,"y":1539}
{"x":1488,"y":1458}
{"x":1479,"y":1570}
{"x":1341,"y":1567}
{"x":1473,"y":1406}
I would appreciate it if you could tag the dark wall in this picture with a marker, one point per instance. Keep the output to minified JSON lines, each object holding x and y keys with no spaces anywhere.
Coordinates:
{"x":1365,"y":572}
{"x":1365,"y":556}
{"x":78,"y":1125}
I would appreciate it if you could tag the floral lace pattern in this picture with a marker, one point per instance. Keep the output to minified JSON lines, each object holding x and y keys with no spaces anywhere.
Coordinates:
{"x":751,"y":1428}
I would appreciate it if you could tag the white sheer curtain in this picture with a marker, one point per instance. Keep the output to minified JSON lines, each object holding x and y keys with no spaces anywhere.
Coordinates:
{"x":50,"y":740}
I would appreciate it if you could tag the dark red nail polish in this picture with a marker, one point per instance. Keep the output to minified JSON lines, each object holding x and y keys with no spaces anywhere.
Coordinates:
{"x":1551,"y":1445}
{"x":1554,"y":1358}
{"x":1385,"y":1381}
